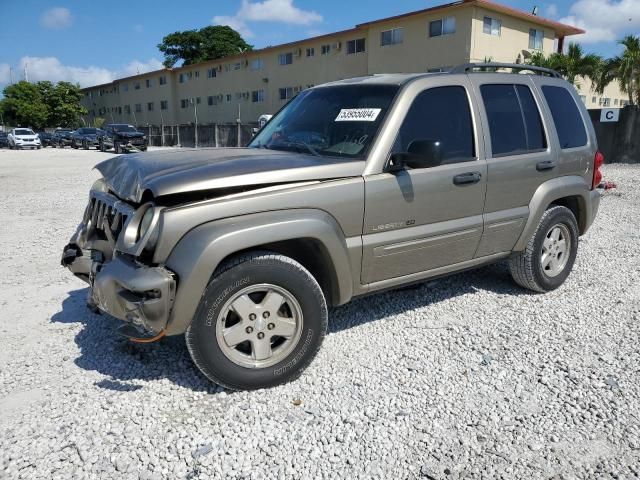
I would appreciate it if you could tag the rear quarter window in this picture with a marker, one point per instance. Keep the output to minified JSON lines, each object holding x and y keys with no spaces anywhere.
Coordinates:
{"x":566,"y":117}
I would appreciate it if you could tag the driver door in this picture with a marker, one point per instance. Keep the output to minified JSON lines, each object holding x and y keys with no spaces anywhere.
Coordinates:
{"x":420,"y":219}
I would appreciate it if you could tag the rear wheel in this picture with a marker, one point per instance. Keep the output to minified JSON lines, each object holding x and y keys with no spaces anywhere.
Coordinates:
{"x":260,"y":322}
{"x":547,"y":260}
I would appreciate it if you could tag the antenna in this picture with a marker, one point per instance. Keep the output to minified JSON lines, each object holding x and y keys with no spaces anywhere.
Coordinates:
{"x":535,"y":10}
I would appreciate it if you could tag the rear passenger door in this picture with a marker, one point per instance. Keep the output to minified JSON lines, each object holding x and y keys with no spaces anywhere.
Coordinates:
{"x":519,"y":158}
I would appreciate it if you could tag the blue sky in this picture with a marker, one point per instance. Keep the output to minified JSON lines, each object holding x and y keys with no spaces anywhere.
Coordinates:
{"x":96,"y":41}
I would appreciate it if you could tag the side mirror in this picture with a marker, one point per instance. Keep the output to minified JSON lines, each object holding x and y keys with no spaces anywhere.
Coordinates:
{"x":419,"y":154}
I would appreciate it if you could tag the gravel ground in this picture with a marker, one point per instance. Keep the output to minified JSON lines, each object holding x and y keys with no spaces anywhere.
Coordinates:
{"x":468,"y":376}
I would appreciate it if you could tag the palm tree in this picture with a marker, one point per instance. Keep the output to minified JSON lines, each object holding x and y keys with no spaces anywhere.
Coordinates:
{"x":571,"y":65}
{"x":624,"y":68}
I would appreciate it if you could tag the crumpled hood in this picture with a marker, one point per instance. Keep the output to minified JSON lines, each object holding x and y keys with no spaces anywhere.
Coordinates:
{"x":169,"y":171}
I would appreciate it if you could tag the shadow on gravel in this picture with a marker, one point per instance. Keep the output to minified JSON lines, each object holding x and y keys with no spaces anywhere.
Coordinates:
{"x":104,"y":351}
{"x":493,"y":278}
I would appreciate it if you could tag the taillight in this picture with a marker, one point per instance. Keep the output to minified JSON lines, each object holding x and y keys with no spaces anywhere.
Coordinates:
{"x":598,"y":161}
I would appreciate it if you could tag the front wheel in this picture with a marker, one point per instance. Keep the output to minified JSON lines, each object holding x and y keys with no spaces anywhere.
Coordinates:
{"x":260,"y":322}
{"x":547,"y":260}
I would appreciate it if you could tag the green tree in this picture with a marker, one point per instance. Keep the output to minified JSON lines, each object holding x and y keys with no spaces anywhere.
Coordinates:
{"x":572,"y":65}
{"x":625,"y":69}
{"x":63,"y":100}
{"x":208,"y":43}
{"x":24,"y":105}
{"x":42,"y":104}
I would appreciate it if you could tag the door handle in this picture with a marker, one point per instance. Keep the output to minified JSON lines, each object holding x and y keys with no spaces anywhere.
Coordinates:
{"x":467,"y":178}
{"x":545,"y":165}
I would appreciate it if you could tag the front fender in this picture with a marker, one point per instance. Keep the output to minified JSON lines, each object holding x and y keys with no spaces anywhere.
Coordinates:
{"x":555,"y":189}
{"x":200,"y":251}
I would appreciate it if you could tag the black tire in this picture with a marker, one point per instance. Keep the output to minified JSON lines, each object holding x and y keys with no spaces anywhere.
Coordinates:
{"x":235,"y":275}
{"x":143,"y":149}
{"x":117,"y":148}
{"x":526,"y":266}
{"x":85,"y":145}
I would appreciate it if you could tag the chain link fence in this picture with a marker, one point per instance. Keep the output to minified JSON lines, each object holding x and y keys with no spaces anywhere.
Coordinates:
{"x":213,"y":135}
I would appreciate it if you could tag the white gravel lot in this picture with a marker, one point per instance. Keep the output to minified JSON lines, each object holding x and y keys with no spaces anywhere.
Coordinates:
{"x":468,"y":376}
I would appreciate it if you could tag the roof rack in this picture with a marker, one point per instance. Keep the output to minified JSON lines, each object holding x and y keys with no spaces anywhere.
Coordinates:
{"x":471,"y":67}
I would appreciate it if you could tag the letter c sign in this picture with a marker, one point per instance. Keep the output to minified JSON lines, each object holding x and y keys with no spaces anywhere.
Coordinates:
{"x":609,"y":114}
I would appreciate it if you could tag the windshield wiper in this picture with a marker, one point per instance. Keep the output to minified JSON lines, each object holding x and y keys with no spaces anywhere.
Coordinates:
{"x":300,"y":143}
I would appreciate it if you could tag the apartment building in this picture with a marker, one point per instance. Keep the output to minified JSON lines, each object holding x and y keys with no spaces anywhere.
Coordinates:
{"x":248,"y":85}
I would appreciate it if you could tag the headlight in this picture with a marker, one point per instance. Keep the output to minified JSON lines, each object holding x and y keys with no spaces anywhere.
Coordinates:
{"x":99,"y":186}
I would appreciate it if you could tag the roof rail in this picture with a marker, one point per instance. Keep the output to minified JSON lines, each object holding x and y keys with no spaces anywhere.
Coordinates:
{"x":471,"y":67}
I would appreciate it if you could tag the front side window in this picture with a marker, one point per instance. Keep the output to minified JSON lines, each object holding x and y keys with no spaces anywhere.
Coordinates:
{"x":445,"y":26}
{"x":515,"y":124}
{"x":492,"y":26}
{"x":356,"y":46}
{"x":439,"y":119}
{"x":337,"y":121}
{"x":285,"y":58}
{"x":391,"y":37}
{"x":566,"y":116}
{"x":535,"y":39}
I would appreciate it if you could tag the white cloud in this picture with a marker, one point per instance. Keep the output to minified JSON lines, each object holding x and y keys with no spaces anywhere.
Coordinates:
{"x":604,"y":20}
{"x":279,"y":11}
{"x":50,"y":68}
{"x":57,"y":18}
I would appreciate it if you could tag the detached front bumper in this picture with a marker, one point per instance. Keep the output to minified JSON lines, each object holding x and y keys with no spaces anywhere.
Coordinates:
{"x":125,"y":288}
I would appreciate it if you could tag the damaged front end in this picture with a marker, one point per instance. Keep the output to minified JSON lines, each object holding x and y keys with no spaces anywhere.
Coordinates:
{"x":107,"y":251}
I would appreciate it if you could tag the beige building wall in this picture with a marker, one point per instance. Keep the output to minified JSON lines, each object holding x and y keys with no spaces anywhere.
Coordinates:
{"x":258,"y":75}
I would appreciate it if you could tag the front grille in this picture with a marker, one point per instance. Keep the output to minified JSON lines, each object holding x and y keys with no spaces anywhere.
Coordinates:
{"x":106,"y":215}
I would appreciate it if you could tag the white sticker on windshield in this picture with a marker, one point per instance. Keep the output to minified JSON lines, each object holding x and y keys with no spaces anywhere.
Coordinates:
{"x":358,"y":115}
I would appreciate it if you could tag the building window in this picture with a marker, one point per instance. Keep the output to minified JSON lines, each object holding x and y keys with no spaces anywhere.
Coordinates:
{"x":211,"y":73}
{"x":257,"y":96}
{"x":138,"y":107}
{"x":198,"y":100}
{"x":607,"y":102}
{"x":325,"y":50}
{"x":184,"y":103}
{"x":127,"y":109}
{"x":182,"y":77}
{"x":125,"y":87}
{"x":594,"y":99}
{"x":615,"y":101}
{"x":257,"y":64}
{"x":355,"y":46}
{"x":229,"y":97}
{"x":237,"y":66}
{"x":311,"y":52}
{"x":535,"y":39}
{"x":148,"y":82}
{"x":136,"y":86}
{"x":391,"y":37}
{"x":285,"y":58}
{"x":164,"y":105}
{"x":196,"y":73}
{"x":150,"y":107}
{"x":492,"y":26}
{"x":162,"y":80}
{"x":286,"y":93}
{"x":445,"y":26}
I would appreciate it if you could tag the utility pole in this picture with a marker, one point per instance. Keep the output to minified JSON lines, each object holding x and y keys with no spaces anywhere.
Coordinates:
{"x":195,"y":114}
{"x":239,"y":122}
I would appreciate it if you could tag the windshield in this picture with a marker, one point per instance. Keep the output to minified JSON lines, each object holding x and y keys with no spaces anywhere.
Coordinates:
{"x":88,"y":131}
{"x":124,"y":128}
{"x":338,"y":121}
{"x":24,"y":131}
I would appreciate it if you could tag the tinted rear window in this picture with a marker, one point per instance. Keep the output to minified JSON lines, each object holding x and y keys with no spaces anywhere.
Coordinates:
{"x":514,"y":120}
{"x":566,"y":116}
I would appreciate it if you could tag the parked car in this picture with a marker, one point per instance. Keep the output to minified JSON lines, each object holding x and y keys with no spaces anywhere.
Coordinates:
{"x":354,"y":187}
{"x":19,"y":138}
{"x":62,"y":138}
{"x":45,"y":138}
{"x":4,"y":140}
{"x":122,"y":138}
{"x":85,"y":137}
